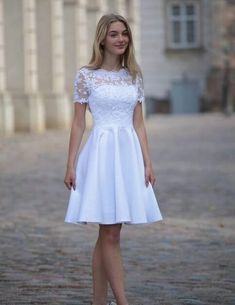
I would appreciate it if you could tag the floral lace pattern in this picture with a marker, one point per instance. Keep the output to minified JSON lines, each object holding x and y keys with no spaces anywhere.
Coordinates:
{"x":112,"y":95}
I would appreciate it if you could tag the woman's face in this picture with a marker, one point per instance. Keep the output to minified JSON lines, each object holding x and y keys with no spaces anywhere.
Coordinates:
{"x":116,"y":40}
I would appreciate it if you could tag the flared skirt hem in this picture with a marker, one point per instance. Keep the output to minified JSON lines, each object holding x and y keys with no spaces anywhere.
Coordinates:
{"x":127,"y":222}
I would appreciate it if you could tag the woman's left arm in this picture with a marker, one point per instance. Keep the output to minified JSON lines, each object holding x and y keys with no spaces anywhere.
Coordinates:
{"x":139,"y":126}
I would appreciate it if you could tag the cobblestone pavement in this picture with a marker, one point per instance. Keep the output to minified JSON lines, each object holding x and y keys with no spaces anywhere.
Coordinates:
{"x":186,"y":259}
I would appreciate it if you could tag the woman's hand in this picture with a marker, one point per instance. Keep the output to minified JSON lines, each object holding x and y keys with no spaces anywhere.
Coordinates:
{"x":69,"y":179}
{"x":149,"y":175}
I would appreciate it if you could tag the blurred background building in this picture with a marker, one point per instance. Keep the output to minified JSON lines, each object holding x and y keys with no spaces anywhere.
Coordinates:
{"x":185,"y":47}
{"x":188,"y":55}
{"x":42,"y":44}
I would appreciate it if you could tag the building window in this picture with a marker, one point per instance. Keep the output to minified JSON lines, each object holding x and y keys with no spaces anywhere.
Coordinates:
{"x":183,"y":24}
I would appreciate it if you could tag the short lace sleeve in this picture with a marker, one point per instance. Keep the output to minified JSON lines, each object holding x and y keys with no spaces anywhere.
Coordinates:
{"x":81,"y":92}
{"x":140,"y":89}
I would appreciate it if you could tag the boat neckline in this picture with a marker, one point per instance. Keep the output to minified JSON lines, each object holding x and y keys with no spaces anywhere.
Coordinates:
{"x":114,"y":71}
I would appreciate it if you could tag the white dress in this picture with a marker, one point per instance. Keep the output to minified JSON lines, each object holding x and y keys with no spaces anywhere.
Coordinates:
{"x":110,"y":179}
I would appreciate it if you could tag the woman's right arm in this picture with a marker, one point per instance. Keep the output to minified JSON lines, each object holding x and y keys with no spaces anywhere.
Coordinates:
{"x":76,"y":134}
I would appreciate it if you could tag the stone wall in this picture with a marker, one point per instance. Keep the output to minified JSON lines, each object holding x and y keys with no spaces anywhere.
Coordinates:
{"x":162,"y":66}
{"x":220,"y":91}
{"x":42,"y":44}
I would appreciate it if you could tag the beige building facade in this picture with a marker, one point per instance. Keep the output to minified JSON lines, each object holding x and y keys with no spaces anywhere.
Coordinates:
{"x":183,"y":53}
{"x":42,"y":44}
{"x":185,"y":47}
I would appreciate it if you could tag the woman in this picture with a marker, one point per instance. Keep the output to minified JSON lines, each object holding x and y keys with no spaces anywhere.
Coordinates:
{"x":112,"y":181}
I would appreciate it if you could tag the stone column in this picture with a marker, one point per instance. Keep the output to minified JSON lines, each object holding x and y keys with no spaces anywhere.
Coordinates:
{"x":35,"y":112}
{"x":21,"y":65}
{"x":6,"y":106}
{"x":95,"y":9}
{"x":81,"y":34}
{"x":83,"y":52}
{"x":103,"y":7}
{"x":133,"y":17}
{"x":121,"y":7}
{"x":58,"y":110}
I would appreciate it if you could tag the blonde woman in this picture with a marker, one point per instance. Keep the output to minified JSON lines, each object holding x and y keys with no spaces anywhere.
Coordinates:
{"x":111,"y":184}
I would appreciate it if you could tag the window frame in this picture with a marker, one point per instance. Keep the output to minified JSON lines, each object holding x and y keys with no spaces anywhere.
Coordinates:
{"x":183,"y":18}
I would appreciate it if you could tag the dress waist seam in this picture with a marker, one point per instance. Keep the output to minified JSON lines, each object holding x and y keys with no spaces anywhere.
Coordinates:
{"x":98,"y":126}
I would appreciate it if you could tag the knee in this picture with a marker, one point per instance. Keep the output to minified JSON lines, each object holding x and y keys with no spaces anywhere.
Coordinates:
{"x":110,"y":234}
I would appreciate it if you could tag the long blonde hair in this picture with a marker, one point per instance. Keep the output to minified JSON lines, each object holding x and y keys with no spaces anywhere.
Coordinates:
{"x":127,"y":60}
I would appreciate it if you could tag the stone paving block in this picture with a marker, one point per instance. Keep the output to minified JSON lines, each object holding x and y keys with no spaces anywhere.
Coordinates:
{"x":187,"y":259}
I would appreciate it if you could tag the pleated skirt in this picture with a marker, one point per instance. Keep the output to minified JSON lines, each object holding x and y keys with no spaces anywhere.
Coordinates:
{"x":110,"y":181}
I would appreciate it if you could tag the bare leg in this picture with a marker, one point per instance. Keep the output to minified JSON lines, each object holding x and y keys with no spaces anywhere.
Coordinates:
{"x":111,"y":255}
{"x":100,"y":281}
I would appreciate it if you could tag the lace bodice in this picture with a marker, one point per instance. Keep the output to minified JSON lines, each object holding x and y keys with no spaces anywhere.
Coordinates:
{"x":111,"y":95}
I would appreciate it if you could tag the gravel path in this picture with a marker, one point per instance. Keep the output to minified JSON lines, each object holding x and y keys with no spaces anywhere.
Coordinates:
{"x":186,"y":259}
